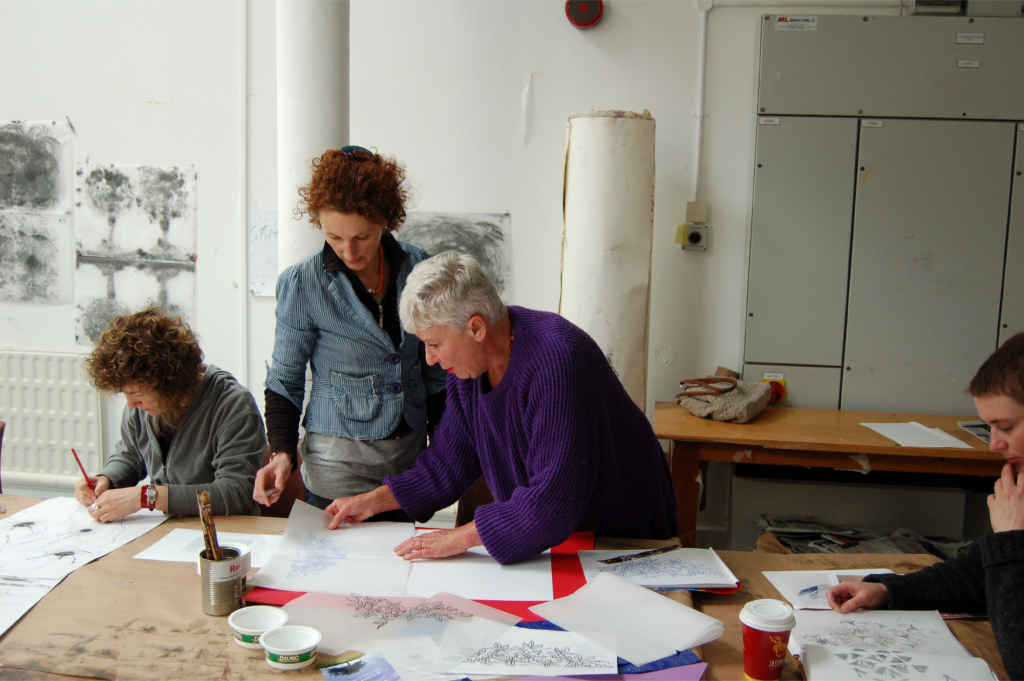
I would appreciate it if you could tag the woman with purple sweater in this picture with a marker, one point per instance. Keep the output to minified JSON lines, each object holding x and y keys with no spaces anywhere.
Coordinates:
{"x":534,"y":407}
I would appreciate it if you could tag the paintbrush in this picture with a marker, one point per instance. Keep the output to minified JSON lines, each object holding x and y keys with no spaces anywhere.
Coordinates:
{"x":207,"y":539}
{"x":82,"y":468}
{"x":213,"y":527}
{"x":642,"y":554}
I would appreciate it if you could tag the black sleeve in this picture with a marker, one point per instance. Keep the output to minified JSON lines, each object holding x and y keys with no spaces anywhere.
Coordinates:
{"x":282,"y":419}
{"x":956,"y":585}
{"x":436,"y":404}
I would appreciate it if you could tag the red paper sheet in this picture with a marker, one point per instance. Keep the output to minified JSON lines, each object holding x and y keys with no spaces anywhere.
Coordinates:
{"x":566,"y":577}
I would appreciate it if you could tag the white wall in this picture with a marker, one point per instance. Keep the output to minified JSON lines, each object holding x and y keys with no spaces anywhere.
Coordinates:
{"x":156,"y":83}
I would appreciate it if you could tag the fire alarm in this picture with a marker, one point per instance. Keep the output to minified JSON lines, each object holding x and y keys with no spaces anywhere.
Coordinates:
{"x":584,"y":14}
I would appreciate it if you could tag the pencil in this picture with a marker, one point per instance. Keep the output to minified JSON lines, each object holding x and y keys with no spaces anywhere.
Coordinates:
{"x":82,"y":468}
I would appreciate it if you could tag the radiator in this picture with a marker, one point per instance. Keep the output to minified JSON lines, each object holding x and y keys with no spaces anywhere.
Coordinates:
{"x":49,"y":407}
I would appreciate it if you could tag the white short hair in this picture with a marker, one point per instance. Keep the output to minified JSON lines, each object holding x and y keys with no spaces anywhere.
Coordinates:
{"x":447,"y":290}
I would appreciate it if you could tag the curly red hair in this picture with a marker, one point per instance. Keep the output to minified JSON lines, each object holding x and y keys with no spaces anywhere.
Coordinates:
{"x":360,"y":182}
{"x":151,"y":349}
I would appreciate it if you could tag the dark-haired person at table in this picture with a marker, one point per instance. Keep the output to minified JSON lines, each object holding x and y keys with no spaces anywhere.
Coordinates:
{"x":373,"y":399}
{"x":533,"y":406}
{"x":187,"y":425}
{"x":990,"y":578}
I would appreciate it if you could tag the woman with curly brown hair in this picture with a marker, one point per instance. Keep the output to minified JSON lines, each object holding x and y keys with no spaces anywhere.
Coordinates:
{"x":373,"y":394}
{"x":187,"y":425}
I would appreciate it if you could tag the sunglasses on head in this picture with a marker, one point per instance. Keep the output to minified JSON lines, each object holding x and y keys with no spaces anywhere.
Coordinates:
{"x":357,"y":153}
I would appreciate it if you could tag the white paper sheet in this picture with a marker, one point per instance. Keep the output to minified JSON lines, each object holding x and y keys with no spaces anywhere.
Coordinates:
{"x":475,"y":575}
{"x":855,"y":664}
{"x":357,"y":558}
{"x":57,"y":536}
{"x":183,"y":546}
{"x":18,"y":595}
{"x":437,"y":634}
{"x":913,"y":434}
{"x":636,"y":624}
{"x":681,"y":568}
{"x":262,"y":252}
{"x":897,"y":631}
{"x":539,"y":652}
{"x":344,"y":619}
{"x":806,"y":589}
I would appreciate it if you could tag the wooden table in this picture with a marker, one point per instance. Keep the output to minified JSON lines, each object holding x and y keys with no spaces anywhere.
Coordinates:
{"x":125,"y":619}
{"x":824,"y":438}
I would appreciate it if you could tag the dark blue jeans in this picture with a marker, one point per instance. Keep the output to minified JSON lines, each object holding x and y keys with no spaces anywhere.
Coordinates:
{"x":396,"y":516}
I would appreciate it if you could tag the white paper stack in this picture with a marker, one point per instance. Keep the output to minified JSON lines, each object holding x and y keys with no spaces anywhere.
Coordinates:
{"x":677,"y":569}
{"x":636,"y":624}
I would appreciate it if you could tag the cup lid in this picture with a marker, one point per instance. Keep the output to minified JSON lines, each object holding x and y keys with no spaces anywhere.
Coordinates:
{"x":768,"y":614}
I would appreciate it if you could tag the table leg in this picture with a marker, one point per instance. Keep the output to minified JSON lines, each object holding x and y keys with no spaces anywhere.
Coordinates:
{"x":685,"y":466}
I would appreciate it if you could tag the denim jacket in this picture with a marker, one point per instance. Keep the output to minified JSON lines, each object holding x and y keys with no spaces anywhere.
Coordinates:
{"x":361,"y":385}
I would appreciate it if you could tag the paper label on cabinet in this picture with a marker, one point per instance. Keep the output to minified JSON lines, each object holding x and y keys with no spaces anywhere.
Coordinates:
{"x":773,"y":376}
{"x":769,"y":120}
{"x":799,"y":23}
{"x":968,"y":64}
{"x":970,"y":38}
{"x":873,"y":123}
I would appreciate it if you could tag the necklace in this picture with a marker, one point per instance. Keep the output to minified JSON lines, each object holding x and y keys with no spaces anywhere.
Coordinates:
{"x":380,"y":276}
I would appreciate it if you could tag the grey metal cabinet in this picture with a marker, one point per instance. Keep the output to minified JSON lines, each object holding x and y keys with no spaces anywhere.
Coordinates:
{"x":800,"y":240}
{"x":806,"y":387}
{"x":1012,"y":320}
{"x":926,"y":267}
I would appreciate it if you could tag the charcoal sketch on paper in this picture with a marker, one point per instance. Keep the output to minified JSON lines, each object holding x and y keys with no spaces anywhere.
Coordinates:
{"x":136,"y":234}
{"x":649,"y":567}
{"x":36,"y":253}
{"x":486,"y":237}
{"x":35,"y":167}
{"x":136,"y":212}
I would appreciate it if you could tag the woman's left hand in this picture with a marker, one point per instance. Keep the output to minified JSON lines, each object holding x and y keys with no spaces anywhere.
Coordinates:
{"x":440,"y":544}
{"x":116,"y":503}
{"x":1006,"y":506}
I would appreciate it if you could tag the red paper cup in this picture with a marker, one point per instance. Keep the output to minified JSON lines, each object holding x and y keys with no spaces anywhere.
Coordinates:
{"x":766,"y":627}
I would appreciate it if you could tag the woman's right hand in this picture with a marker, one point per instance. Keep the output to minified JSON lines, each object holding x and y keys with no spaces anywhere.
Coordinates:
{"x":85,"y":496}
{"x":271,"y":479}
{"x":850,"y":596}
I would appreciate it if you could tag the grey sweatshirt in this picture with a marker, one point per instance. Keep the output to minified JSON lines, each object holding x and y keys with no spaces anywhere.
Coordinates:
{"x":218,"y":449}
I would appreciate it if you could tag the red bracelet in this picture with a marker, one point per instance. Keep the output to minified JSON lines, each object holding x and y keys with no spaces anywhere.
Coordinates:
{"x":143,"y":502}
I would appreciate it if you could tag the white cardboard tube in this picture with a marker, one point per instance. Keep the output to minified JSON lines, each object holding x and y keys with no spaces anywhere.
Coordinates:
{"x":606,"y":245}
{"x":312,"y":108}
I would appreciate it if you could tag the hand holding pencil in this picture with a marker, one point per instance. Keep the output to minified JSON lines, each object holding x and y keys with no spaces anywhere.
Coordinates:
{"x":88,"y":490}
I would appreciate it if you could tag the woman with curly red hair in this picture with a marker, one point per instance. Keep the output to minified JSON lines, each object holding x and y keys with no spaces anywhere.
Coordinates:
{"x":373,"y":395}
{"x":187,"y":425}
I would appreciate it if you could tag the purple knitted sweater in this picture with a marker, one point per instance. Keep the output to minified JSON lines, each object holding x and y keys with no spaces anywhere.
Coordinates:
{"x":561,"y":444}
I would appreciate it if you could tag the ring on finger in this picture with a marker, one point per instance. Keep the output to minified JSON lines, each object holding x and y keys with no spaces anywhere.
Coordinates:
{"x":94,"y":508}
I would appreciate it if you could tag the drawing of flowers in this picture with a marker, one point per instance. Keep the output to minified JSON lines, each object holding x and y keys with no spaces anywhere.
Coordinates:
{"x":383,"y":609}
{"x":532,"y":653}
{"x":434,"y":611}
{"x":314,"y":557}
{"x":652,"y":567}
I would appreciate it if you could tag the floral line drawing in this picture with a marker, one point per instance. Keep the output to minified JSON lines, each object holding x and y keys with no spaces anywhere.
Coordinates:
{"x":532,"y":654}
{"x":652,"y":567}
{"x":434,"y":611}
{"x":383,"y":609}
{"x":898,"y":637}
{"x":314,"y":557}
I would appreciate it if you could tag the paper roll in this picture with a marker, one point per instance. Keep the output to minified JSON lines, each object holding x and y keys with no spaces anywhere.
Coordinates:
{"x":606,"y":244}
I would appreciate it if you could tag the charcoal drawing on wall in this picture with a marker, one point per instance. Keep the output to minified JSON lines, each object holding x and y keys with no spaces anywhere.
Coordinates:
{"x":136,"y":235}
{"x":486,"y":237}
